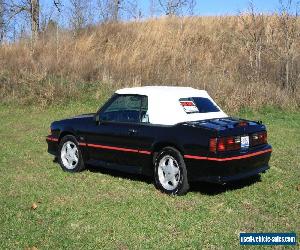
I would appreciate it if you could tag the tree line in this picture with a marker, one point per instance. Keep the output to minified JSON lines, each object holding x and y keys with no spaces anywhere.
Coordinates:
{"x":19,"y":17}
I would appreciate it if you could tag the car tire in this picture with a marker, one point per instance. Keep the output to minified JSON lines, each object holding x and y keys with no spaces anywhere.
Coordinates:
{"x":170,"y":172}
{"x":69,"y":155}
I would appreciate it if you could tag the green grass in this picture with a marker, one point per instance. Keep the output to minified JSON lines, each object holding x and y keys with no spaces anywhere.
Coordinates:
{"x":102,"y":210}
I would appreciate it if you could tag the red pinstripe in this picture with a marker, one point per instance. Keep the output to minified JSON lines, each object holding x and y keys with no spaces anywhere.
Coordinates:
{"x":144,"y":152}
{"x":195,"y":157}
{"x":51,"y":139}
{"x":116,"y":148}
{"x":106,"y":147}
{"x":112,"y":148}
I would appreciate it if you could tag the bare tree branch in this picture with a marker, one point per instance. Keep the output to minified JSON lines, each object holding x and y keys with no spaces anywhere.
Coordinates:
{"x":57,"y":4}
{"x":110,"y":9}
{"x":175,"y":7}
{"x":132,"y":8}
{"x":31,"y":8}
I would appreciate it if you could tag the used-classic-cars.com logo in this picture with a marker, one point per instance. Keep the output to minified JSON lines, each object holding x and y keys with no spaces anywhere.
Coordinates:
{"x":268,"y":239}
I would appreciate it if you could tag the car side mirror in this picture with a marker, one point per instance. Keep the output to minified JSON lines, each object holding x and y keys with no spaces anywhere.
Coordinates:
{"x":97,"y":119}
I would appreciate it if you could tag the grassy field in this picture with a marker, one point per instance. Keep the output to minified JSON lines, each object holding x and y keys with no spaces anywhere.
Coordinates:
{"x":101,"y":209}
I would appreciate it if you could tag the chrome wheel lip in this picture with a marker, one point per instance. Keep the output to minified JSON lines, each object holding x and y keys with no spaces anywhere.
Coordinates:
{"x":69,"y":155}
{"x":168,"y":172}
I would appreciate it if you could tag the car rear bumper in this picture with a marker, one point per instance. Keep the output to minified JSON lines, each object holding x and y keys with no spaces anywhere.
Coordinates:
{"x":231,"y":168}
{"x":238,"y":176}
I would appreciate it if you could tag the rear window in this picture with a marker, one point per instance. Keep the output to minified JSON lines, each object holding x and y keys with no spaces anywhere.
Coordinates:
{"x":198,"y":105}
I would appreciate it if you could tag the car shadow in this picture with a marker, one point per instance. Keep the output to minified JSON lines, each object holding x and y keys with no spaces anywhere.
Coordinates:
{"x":196,"y":187}
{"x":215,"y":188}
{"x":119,"y":174}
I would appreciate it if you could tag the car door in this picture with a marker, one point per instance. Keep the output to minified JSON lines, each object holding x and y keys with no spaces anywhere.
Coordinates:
{"x":116,"y":138}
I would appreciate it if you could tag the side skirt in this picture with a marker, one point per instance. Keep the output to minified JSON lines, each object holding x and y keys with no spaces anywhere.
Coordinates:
{"x":114,"y":166}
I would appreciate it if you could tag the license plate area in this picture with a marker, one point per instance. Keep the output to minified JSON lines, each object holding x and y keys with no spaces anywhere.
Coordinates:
{"x":245,"y":141}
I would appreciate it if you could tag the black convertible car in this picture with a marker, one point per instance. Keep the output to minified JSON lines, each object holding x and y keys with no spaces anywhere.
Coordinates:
{"x":175,"y":134}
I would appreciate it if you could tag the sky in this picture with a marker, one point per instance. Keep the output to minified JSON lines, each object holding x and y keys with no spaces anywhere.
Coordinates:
{"x":209,"y":7}
{"x":229,"y":7}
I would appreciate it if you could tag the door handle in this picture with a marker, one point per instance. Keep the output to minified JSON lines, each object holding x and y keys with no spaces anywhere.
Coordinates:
{"x":132,"y":131}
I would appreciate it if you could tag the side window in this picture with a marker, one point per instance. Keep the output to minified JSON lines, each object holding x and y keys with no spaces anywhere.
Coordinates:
{"x":125,"y":108}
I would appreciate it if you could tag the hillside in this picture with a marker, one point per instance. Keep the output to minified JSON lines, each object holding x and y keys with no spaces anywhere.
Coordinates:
{"x":242,"y":61}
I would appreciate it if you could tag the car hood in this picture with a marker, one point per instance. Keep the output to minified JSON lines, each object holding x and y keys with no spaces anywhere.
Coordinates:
{"x":89,"y":115}
{"x":77,"y":117}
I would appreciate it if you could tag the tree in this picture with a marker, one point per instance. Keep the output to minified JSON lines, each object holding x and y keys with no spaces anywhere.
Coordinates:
{"x":288,"y":34}
{"x":35,"y":18}
{"x":78,"y":14}
{"x":176,"y":7}
{"x":152,"y":9}
{"x":116,"y":9}
{"x":2,"y":22}
{"x":110,"y":9}
{"x":131,"y":7}
{"x":253,"y":36}
{"x":30,"y":8}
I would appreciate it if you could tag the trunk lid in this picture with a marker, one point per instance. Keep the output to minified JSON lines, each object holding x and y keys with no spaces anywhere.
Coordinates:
{"x":230,"y":126}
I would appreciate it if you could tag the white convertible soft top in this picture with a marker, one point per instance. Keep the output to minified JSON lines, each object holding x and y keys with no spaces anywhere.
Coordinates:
{"x":164,"y":106}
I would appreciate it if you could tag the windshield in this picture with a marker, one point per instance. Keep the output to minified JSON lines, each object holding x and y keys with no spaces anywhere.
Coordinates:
{"x":198,"y":105}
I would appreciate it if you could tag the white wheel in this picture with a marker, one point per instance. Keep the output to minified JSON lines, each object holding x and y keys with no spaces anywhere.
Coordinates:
{"x":168,"y":172}
{"x":69,"y":155}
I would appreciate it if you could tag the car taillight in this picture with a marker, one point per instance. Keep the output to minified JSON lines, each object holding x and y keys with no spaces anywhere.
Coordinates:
{"x":259,"y":138}
{"x":229,"y":143}
{"x":225,"y":144}
{"x":213,"y":145}
{"x":221,"y":144}
{"x":233,"y":143}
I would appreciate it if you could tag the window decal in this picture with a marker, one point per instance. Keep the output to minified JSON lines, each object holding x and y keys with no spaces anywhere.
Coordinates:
{"x":189,"y":107}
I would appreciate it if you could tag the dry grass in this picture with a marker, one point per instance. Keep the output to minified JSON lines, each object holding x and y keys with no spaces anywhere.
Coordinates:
{"x":218,"y":54}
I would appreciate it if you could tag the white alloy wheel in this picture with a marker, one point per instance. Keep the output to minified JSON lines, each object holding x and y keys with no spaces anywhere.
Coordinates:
{"x":168,"y":172}
{"x":69,"y":155}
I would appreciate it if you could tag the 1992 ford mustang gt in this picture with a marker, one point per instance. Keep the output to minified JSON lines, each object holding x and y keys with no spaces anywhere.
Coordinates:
{"x":176,"y":134}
